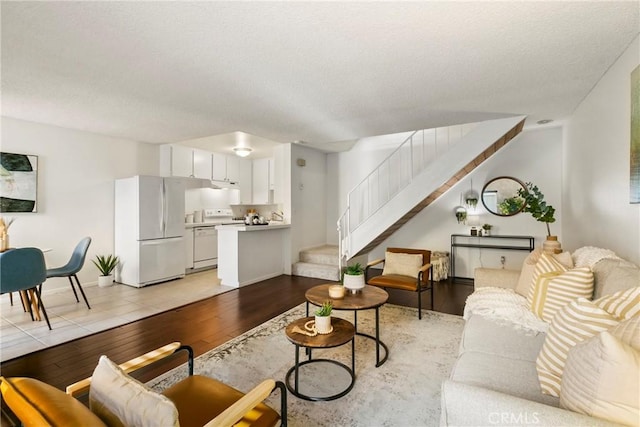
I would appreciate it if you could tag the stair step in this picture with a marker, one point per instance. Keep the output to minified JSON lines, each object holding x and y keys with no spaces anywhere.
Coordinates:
{"x":327,"y":254}
{"x":318,"y":271}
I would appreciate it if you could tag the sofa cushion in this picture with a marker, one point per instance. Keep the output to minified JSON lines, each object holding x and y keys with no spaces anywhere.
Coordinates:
{"x":613,"y":275}
{"x":552,"y":291}
{"x":579,"y":320}
{"x":601,"y":380}
{"x":511,"y":376}
{"x":489,"y":336}
{"x":120,"y":400}
{"x":38,"y":404}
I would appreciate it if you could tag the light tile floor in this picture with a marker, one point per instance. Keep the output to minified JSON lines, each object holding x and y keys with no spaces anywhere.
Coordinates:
{"x":110,"y":306}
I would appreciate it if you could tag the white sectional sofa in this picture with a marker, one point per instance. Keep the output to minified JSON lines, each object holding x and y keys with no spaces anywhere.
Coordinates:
{"x":494,"y":380}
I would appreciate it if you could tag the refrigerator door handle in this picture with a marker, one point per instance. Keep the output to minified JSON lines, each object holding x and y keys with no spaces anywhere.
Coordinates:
{"x":157,"y":242}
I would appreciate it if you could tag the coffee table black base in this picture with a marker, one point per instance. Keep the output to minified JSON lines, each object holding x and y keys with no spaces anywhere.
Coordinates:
{"x":294,"y":370}
{"x":379,"y":344}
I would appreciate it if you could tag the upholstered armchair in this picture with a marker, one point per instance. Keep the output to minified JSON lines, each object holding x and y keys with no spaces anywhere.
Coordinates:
{"x":116,"y":399}
{"x":404,"y":269}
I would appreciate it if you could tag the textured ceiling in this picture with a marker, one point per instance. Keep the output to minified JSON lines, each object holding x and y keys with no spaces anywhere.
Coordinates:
{"x":318,"y":72}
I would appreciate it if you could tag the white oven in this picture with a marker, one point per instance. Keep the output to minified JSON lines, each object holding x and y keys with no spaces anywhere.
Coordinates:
{"x":205,"y":247}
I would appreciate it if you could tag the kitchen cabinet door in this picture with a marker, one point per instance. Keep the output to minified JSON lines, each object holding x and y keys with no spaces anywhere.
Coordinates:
{"x":245,"y":181}
{"x":201,"y":163}
{"x":260,"y":181}
{"x":219,"y":167}
{"x":188,"y":239}
{"x":181,"y":161}
{"x":233,"y":169}
{"x":271,"y":175}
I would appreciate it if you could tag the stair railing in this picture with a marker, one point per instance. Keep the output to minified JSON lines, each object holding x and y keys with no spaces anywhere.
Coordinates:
{"x":396,"y":172}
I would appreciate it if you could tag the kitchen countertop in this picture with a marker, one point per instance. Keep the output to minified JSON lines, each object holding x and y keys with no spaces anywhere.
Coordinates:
{"x":209,"y":224}
{"x":242,"y":227}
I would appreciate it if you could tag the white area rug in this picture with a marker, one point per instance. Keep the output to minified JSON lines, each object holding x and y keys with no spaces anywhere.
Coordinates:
{"x":405,"y":391}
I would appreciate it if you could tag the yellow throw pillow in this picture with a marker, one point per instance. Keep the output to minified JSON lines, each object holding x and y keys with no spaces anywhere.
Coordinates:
{"x":119,"y":399}
{"x":622,"y":304}
{"x":552,"y":291}
{"x":601,"y":380}
{"x":546,"y":264}
{"x":525,"y":281}
{"x":574,"y":323}
{"x":403,"y":264}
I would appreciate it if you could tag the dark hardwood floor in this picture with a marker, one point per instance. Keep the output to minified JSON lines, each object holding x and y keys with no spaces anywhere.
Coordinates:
{"x":204,"y":325}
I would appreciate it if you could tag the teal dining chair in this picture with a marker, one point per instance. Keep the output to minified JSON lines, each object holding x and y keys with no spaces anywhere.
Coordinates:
{"x":70,"y":269}
{"x":21,"y":270}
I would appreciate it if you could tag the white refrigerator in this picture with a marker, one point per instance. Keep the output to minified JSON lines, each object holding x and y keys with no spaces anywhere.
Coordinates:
{"x":149,"y":229}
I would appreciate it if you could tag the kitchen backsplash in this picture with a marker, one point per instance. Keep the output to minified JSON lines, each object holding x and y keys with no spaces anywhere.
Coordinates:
{"x":206,"y":198}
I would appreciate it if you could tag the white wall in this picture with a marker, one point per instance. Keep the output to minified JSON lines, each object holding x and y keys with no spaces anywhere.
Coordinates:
{"x":308,"y":199}
{"x":596,"y":205}
{"x":76,"y":172}
{"x":534,"y":155}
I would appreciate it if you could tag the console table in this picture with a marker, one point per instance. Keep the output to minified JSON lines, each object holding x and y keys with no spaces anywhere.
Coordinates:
{"x":501,"y":242}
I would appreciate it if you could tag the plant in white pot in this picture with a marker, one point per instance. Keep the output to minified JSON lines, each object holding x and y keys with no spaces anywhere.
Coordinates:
{"x":323,"y":318}
{"x":106,"y":264}
{"x":353,"y":277}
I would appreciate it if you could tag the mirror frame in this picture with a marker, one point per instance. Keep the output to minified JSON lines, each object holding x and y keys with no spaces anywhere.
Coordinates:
{"x":520,"y":183}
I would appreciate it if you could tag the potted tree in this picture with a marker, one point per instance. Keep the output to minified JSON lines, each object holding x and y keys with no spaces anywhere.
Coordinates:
{"x":106,"y":264}
{"x":353,"y":278}
{"x":323,"y":318}
{"x":534,"y":204}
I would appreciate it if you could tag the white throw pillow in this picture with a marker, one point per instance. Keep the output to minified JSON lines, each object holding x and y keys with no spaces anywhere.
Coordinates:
{"x":403,"y":264}
{"x":622,"y":304}
{"x":601,"y":380}
{"x":119,"y":399}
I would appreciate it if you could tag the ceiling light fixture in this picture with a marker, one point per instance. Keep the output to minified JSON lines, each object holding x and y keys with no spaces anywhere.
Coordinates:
{"x":544,"y":121}
{"x":242,"y":151}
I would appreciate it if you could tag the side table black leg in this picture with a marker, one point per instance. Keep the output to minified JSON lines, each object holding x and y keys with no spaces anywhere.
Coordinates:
{"x":377,"y":337}
{"x":297,"y":365}
{"x":353,"y":355}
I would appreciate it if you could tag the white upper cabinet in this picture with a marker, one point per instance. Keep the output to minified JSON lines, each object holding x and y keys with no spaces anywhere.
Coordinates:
{"x":233,"y":168}
{"x":262,"y":181}
{"x":226,"y":168}
{"x":176,"y":160}
{"x":201,"y":164}
{"x":219,"y":167}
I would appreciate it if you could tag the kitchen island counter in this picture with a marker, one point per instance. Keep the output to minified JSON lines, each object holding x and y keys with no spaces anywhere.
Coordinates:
{"x":251,"y":253}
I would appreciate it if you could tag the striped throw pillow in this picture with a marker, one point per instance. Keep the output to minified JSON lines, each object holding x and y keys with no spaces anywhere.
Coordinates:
{"x":622,"y":304}
{"x":546,"y":264}
{"x":554,"y":290}
{"x":575,"y":322}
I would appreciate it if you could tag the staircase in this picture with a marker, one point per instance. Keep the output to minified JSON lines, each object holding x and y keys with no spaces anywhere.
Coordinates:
{"x":412,"y":177}
{"x":320,"y":262}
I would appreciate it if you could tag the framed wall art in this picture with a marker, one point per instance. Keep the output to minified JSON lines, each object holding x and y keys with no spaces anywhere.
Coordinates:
{"x":18,"y":182}
{"x":634,"y":181}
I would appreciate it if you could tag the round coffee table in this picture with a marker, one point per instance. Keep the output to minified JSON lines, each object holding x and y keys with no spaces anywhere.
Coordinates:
{"x":370,"y":297}
{"x":343,"y":332}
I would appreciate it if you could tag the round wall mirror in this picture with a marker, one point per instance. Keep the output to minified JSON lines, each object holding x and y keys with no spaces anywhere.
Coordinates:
{"x":500,"y":196}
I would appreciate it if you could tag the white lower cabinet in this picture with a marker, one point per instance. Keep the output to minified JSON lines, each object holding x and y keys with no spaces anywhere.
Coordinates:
{"x":188,"y":239}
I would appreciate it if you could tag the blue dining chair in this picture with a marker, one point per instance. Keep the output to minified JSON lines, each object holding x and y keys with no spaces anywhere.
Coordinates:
{"x":73,"y":267}
{"x":21,"y":270}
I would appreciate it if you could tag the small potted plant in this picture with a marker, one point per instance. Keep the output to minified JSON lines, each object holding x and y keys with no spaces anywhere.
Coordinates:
{"x":353,"y":278}
{"x":323,"y":318}
{"x":105,"y":264}
{"x":486,"y":229}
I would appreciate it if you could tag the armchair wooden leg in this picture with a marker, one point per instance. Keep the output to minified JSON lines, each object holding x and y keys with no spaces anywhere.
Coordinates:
{"x":419,"y":304}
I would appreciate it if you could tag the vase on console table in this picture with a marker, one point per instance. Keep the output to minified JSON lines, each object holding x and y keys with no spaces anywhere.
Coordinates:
{"x":551,"y":245}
